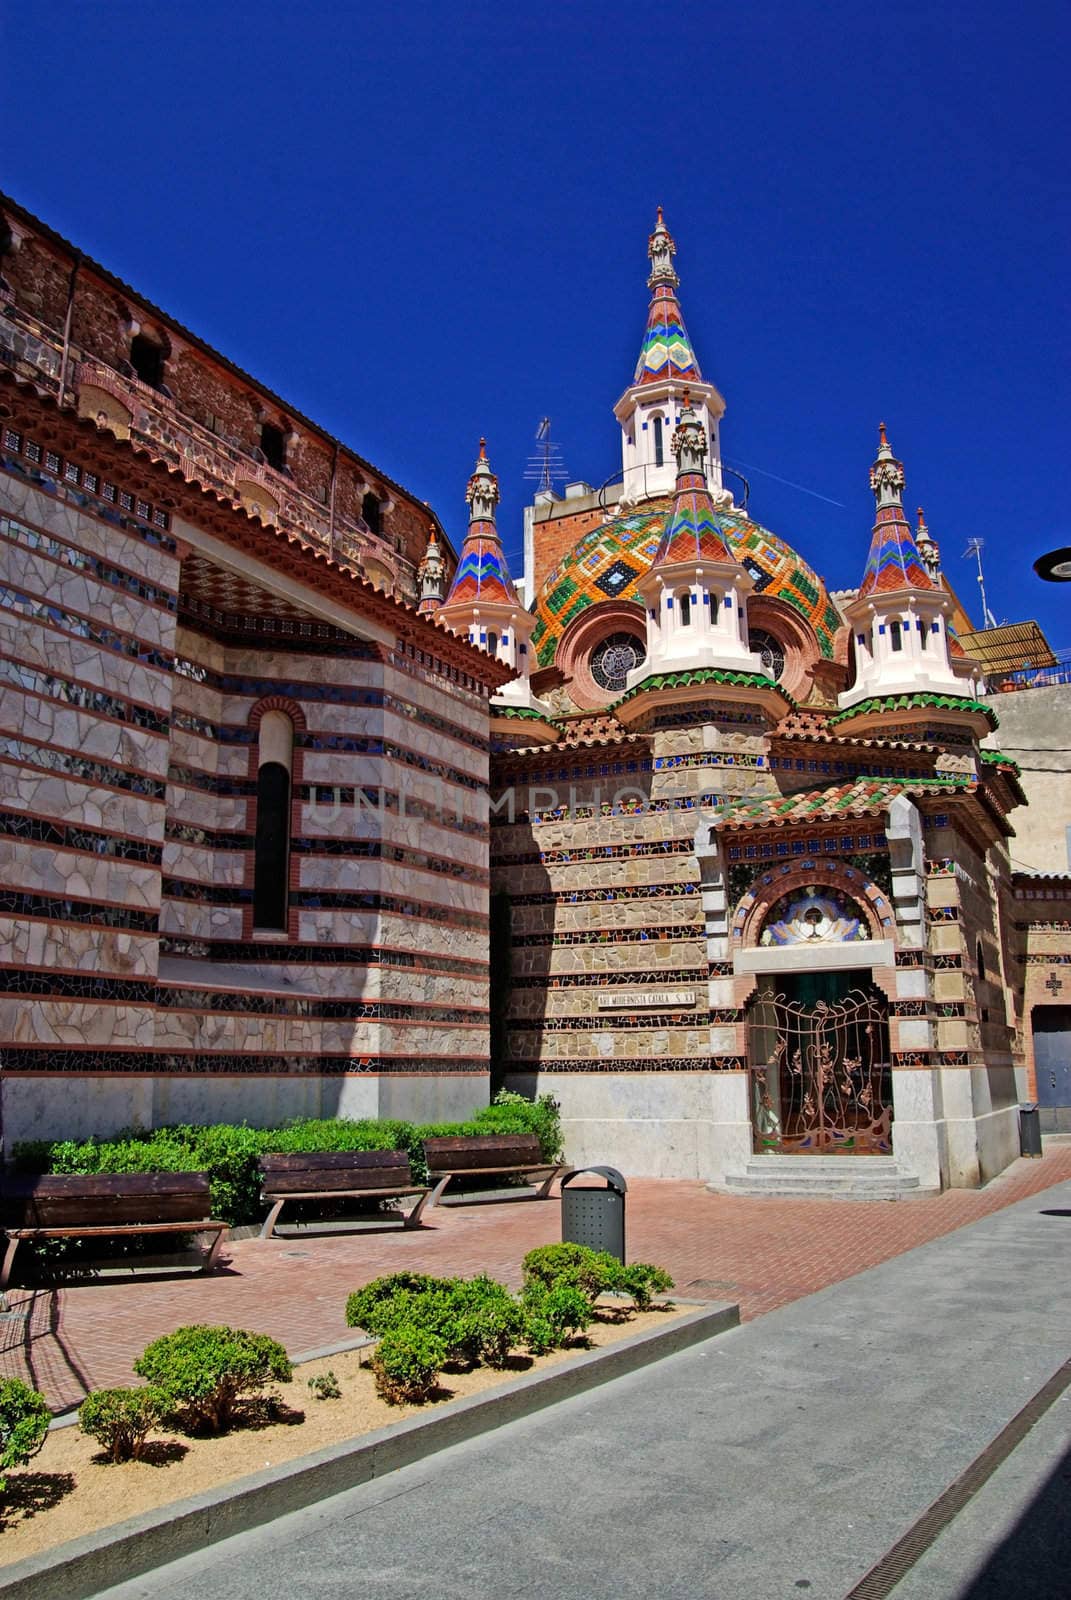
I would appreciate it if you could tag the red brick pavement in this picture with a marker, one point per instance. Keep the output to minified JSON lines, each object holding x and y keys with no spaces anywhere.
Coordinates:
{"x":761,"y":1253}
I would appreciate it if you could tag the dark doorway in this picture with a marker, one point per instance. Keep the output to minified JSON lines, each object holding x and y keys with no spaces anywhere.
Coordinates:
{"x":818,"y":1052}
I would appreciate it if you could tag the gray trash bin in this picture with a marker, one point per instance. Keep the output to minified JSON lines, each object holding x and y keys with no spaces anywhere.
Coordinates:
{"x":1029,"y":1131}
{"x":595,"y":1217}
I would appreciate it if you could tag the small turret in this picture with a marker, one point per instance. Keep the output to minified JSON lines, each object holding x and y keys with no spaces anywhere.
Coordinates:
{"x":432,"y":574}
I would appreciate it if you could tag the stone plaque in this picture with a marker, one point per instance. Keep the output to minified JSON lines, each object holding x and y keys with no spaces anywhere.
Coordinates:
{"x":636,"y":999}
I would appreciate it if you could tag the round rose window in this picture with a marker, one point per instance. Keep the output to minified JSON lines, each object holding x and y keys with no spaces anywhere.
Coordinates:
{"x":771,"y":651}
{"x":613,"y":659}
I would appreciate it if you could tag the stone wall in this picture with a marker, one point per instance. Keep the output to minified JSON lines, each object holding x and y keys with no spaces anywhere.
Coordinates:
{"x":1034,"y":731}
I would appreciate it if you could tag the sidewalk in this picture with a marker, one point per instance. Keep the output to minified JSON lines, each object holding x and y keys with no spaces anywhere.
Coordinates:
{"x":760,"y":1253}
{"x":780,"y":1459}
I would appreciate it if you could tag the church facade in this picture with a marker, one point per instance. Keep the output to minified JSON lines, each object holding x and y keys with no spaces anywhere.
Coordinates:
{"x":306,"y":812}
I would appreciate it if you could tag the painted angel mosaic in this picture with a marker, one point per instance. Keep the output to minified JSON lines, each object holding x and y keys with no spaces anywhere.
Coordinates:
{"x":816,"y":914}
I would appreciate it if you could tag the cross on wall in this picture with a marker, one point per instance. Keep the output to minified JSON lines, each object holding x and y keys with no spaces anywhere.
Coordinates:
{"x":1054,"y":984}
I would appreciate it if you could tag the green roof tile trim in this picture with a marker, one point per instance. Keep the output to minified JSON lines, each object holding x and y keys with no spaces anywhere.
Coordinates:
{"x":996,"y":758}
{"x":866,"y":793}
{"x":682,"y":680}
{"x":524,"y":712}
{"x":907,"y":702}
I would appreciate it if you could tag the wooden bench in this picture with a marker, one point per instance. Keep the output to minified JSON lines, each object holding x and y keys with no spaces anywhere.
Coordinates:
{"x":338,"y":1175}
{"x":68,"y":1206}
{"x":480,"y":1155}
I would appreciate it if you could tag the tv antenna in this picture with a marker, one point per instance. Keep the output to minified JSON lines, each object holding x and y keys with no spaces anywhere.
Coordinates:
{"x":546,"y":466}
{"x":974,"y":548}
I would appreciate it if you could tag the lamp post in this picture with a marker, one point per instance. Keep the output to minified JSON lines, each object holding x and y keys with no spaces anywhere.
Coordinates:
{"x":1055,"y":567}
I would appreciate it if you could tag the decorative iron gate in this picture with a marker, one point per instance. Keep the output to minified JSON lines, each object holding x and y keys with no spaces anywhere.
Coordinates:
{"x":819,"y":1074}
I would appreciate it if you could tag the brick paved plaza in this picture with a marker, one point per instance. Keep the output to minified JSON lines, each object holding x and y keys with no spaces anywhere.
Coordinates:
{"x":762,"y":1253}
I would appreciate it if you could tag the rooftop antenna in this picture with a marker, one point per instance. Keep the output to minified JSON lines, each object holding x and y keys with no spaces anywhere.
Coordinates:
{"x":546,"y":465}
{"x":974,"y":548}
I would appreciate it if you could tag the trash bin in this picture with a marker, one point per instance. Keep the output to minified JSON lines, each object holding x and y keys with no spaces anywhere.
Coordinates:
{"x":595,"y":1217}
{"x":1029,"y":1131}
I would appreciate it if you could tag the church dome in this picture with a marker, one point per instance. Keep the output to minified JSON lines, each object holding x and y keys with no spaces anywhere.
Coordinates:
{"x":608,"y":561}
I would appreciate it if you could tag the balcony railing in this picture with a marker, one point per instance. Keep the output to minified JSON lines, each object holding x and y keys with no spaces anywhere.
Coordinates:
{"x":151,"y":417}
{"x":1027,"y":677}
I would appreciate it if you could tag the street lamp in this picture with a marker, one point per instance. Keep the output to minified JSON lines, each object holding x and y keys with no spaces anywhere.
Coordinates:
{"x":1055,"y":567}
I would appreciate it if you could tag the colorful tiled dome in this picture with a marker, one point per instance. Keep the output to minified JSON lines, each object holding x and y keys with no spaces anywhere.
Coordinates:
{"x":607,"y":562}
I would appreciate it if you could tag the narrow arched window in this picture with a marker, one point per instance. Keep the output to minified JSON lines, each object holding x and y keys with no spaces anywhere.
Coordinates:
{"x":492,"y":643}
{"x":896,"y":635}
{"x":686,"y":610}
{"x":271,"y":857}
{"x":659,"y":451}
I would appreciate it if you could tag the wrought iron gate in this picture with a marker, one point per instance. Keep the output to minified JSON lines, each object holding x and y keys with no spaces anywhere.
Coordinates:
{"x":819,"y":1074}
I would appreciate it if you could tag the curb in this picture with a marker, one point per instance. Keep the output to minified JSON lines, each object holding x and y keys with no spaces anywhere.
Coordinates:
{"x":83,"y":1567}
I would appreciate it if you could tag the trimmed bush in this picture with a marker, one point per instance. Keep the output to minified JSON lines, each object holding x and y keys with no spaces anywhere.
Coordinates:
{"x":230,"y":1154}
{"x":643,"y":1281}
{"x":407,"y":1363}
{"x":206,"y":1371}
{"x":24,"y":1420}
{"x":594,"y":1272}
{"x":551,"y":1316}
{"x":484,"y":1319}
{"x":378,"y":1306}
{"x":122,"y":1419}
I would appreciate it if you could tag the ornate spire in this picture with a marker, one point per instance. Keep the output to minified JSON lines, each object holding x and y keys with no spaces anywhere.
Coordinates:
{"x":431,"y":572}
{"x":927,"y":548}
{"x":692,"y":531}
{"x":667,"y":350}
{"x":661,"y":249}
{"x":482,"y":573}
{"x":894,"y":562}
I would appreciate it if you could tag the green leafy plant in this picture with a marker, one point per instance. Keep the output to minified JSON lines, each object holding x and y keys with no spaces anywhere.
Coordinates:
{"x":205,"y":1371}
{"x":325,"y":1386}
{"x":122,"y":1419}
{"x":377,"y":1306}
{"x":407,"y":1363}
{"x":24,"y":1420}
{"x":553,"y":1315}
{"x":481,"y":1321}
{"x":594,"y":1272}
{"x":642,"y":1281}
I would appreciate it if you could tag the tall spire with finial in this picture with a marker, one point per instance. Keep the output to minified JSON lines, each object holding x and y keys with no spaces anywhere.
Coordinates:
{"x":482,"y":573}
{"x":431,"y":573}
{"x":667,"y":350}
{"x":900,"y":617}
{"x":649,"y":409}
{"x":893,"y":562}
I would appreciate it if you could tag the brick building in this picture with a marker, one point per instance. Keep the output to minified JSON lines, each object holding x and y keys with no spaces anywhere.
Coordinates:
{"x":747,"y":886}
{"x":243,"y":831}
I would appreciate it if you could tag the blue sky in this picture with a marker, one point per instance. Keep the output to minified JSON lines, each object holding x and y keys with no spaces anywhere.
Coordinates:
{"x":422,"y":224}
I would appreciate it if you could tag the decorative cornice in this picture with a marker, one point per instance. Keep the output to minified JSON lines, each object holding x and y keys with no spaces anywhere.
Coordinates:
{"x":906,"y":702}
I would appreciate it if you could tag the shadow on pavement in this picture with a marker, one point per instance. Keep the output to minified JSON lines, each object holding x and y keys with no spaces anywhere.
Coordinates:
{"x":1035,"y":1558}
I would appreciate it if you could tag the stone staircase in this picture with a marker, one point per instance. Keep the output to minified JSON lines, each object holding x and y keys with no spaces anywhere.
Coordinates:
{"x":831,"y":1177}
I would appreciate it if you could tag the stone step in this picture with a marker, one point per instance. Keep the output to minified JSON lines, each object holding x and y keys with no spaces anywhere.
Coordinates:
{"x":836,"y":1177}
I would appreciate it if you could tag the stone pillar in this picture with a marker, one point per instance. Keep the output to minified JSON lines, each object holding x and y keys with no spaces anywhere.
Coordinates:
{"x":729,"y":1143}
{"x":919,"y":1138}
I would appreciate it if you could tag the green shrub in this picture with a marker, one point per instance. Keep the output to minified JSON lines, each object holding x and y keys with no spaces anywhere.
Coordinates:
{"x":206,"y":1371}
{"x":230,"y":1154}
{"x":553,"y":1315}
{"x":377,"y":1306}
{"x":484,"y":1320}
{"x":122,"y":1419}
{"x":594,"y":1272}
{"x":406,"y":1364}
{"x":24,"y":1420}
{"x":642,"y":1282}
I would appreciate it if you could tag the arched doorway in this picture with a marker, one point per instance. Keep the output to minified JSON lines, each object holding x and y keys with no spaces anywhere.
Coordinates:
{"x":820,"y":1076}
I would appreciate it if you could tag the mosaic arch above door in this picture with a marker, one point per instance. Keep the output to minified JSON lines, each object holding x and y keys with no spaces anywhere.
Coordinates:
{"x":815,"y":914}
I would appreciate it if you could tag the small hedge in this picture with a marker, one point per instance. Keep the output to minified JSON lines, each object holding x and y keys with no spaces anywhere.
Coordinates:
{"x":203,"y":1372}
{"x":24,"y":1420}
{"x":121,"y":1419}
{"x":230,"y":1154}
